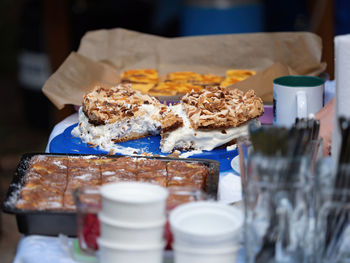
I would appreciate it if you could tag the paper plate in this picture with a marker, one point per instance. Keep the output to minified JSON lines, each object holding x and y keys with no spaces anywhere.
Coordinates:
{"x":67,"y":143}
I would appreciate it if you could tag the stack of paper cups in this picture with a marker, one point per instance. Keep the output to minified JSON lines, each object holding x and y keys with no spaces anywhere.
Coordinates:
{"x":206,"y":232}
{"x":132,"y":223}
{"x":342,"y":95}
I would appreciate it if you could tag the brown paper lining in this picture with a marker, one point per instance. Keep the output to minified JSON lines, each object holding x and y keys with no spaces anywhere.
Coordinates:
{"x":104,"y":54}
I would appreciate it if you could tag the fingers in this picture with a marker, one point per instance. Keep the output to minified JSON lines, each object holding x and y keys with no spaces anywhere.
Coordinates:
{"x":326,"y":115}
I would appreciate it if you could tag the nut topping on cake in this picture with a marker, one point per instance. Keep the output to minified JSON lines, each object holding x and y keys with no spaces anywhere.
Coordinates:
{"x":106,"y":105}
{"x":170,"y":121}
{"x":218,"y":107}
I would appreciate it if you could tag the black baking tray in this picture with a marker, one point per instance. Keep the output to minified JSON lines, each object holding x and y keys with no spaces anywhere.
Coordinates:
{"x":52,"y":223}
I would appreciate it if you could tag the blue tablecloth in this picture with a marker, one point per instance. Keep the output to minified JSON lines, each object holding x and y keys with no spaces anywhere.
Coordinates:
{"x":42,"y":249}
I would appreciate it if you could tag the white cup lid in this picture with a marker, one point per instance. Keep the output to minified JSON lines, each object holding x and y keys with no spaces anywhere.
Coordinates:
{"x":207,"y":220}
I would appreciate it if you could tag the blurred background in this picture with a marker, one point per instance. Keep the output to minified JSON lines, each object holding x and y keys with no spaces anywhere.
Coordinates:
{"x":37,"y":36}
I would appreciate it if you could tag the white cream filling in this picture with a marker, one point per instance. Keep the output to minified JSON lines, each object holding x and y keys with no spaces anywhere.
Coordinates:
{"x":102,"y":135}
{"x":207,"y":140}
{"x":183,"y":137}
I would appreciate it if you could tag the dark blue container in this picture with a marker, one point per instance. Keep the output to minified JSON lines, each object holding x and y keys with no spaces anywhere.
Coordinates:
{"x":204,"y":17}
{"x":342,"y":17}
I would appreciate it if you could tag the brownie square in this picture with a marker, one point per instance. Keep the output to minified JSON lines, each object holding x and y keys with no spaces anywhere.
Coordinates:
{"x":152,"y":171}
{"x":39,"y":198}
{"x":56,"y":185}
{"x":119,"y":170}
{"x":83,"y":171}
{"x":83,"y":163}
{"x":159,"y":180}
{"x":50,"y":204}
{"x":47,"y":165}
{"x":187,"y":174}
{"x":84,"y":177}
{"x":68,"y":201}
{"x":117,"y":179}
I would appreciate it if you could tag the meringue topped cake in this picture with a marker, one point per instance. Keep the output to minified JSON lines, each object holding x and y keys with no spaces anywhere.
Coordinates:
{"x":211,"y":118}
{"x":202,"y":120}
{"x":116,"y":114}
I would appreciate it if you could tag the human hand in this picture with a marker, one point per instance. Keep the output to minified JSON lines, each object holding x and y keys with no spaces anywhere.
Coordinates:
{"x":326,"y":115}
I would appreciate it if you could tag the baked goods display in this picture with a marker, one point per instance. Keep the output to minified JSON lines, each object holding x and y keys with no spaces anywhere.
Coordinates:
{"x":149,"y":82}
{"x":105,"y":105}
{"x":124,"y":113}
{"x":140,"y":79}
{"x":116,"y":114}
{"x":235,"y":75}
{"x":221,"y":108}
{"x":202,"y":120}
{"x":211,"y":118}
{"x":50,"y":180}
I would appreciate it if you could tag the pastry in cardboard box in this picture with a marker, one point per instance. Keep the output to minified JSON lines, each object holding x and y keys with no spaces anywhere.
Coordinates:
{"x":209,"y":80}
{"x":141,"y":79}
{"x":173,"y":88}
{"x":240,"y":73}
{"x":176,"y":84}
{"x":183,"y":76}
{"x":236,"y":75}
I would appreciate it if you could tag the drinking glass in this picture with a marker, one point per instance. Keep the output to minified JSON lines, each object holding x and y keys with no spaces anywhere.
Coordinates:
{"x":332,"y":231}
{"x":332,"y":213}
{"x":315,"y":153}
{"x":88,"y":202}
{"x":277,"y":209}
{"x":183,"y":194}
{"x":180,"y":195}
{"x":245,"y":148}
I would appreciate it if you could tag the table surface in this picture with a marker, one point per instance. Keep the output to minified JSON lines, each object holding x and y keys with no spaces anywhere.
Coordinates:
{"x":37,"y":249}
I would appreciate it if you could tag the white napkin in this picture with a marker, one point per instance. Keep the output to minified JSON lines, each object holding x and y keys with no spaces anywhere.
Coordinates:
{"x":342,"y":94}
{"x":230,"y":187}
{"x":41,"y":249}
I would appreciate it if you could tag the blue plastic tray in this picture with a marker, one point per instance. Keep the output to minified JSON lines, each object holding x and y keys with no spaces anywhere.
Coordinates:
{"x":66,"y":143}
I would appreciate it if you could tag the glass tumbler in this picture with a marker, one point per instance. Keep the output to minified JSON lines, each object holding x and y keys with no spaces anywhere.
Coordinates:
{"x":88,"y":202}
{"x":180,"y":195}
{"x":245,"y":148}
{"x":277,"y":210}
{"x":332,"y":211}
{"x":332,"y":235}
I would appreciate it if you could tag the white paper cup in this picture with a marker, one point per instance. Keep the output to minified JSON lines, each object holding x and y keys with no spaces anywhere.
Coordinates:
{"x":131,"y":233}
{"x":133,"y":202}
{"x":112,"y":252}
{"x":208,"y":255}
{"x":206,"y":225}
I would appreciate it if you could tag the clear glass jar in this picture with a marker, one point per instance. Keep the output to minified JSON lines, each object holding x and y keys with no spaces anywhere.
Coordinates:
{"x":277,"y":209}
{"x":88,"y":203}
{"x":180,"y":195}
